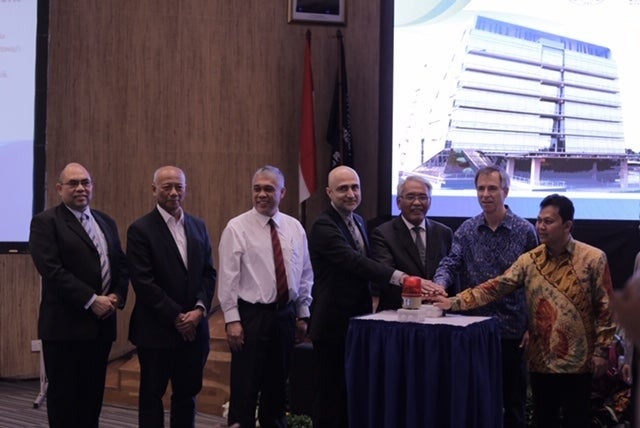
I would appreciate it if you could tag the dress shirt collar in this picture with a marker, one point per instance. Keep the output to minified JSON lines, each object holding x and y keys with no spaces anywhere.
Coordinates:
{"x":167,"y":217}
{"x":507,"y":222}
{"x":345,"y":218}
{"x":264,"y":219}
{"x":79,"y":214}
{"x":410,"y":226}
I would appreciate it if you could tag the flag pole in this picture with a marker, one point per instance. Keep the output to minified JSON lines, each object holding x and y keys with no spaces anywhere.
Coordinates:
{"x":303,"y":205}
{"x":340,"y":96}
{"x":307,"y":157}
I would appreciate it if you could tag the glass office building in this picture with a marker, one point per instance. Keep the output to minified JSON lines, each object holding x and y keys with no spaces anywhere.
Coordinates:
{"x":535,"y":102}
{"x":519,"y":90}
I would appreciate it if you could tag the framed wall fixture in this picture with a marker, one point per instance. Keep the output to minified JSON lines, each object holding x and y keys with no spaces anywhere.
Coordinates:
{"x":318,"y":11}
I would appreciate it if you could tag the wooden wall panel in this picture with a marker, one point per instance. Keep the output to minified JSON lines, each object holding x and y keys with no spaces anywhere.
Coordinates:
{"x":20,"y":296}
{"x":212,"y":86}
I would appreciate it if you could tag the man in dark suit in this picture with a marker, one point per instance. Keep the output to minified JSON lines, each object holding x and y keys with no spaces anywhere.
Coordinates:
{"x":84,"y":279}
{"x":172,"y":274}
{"x":339,"y":251}
{"x":396,"y":244}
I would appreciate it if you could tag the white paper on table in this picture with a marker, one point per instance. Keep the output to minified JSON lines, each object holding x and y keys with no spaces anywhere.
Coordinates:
{"x":448,"y":319}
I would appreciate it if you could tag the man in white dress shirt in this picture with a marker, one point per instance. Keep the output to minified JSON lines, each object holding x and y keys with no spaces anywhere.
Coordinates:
{"x":262,"y":324}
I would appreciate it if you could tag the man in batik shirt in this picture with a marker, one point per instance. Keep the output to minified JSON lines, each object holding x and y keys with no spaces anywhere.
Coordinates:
{"x":568,"y":287}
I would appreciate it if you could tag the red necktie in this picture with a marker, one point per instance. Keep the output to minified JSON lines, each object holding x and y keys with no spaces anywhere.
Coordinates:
{"x":278,"y":260}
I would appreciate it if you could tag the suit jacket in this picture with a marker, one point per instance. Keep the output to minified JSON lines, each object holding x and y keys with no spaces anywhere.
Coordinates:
{"x":164,"y":287}
{"x":341,"y":276}
{"x":393,"y":245}
{"x":69,"y":264}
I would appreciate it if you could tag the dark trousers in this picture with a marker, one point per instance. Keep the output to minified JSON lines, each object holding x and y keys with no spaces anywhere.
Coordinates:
{"x":561,"y":400}
{"x":183,"y":366}
{"x":330,"y":401}
{"x":76,"y":374}
{"x":514,"y":384}
{"x":262,"y":366}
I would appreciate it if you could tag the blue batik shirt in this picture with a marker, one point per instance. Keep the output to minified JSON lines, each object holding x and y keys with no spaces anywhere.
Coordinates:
{"x":478,"y":254}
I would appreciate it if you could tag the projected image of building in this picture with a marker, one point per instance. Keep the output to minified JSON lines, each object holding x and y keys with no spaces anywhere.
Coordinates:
{"x":544,"y":106}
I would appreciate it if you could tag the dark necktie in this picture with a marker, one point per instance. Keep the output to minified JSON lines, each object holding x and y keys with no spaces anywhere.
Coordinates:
{"x":420,"y":244}
{"x":282,"y":289}
{"x":355,"y":235}
{"x":104,"y":261}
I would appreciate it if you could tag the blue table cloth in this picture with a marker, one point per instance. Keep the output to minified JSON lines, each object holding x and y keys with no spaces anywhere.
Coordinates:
{"x":441,"y":373}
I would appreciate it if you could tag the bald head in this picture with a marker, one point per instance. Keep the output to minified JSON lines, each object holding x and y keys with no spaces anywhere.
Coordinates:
{"x":75,"y":186}
{"x":70,"y":169}
{"x":167,"y":169}
{"x":344,"y":189}
{"x":169,"y":187}
{"x":340,"y":172}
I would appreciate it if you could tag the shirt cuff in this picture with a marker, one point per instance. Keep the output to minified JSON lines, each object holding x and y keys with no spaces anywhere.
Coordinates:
{"x":396,"y":278}
{"x":90,"y":302}
{"x":232,"y":315}
{"x":303,"y":311}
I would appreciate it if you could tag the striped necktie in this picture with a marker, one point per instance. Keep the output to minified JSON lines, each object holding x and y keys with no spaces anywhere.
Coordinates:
{"x":420,"y":244}
{"x":105,"y":272}
{"x":355,"y":235}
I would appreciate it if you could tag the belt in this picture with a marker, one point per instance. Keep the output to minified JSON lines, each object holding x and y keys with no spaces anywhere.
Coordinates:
{"x":273,"y":306}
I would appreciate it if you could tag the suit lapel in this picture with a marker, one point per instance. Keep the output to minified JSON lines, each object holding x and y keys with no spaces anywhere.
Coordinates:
{"x":342,"y":226}
{"x":72,"y":223}
{"x":432,"y":244}
{"x":103,"y":227}
{"x":191,"y":238}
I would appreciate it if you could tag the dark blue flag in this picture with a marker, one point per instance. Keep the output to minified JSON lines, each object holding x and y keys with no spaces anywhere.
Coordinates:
{"x":339,"y":129}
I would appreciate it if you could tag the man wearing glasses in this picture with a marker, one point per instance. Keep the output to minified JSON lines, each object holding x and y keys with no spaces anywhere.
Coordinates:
{"x":410,"y":242}
{"x":84,"y":279}
{"x":483,"y":247}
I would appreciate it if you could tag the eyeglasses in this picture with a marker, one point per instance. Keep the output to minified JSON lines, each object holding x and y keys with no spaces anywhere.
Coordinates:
{"x":75,"y":183}
{"x":412,"y":197}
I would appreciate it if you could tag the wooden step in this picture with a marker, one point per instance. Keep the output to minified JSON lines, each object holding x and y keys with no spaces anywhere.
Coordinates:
{"x":123,"y":376}
{"x":218,"y":367}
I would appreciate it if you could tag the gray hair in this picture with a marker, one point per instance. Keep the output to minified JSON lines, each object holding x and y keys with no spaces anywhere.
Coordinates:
{"x":505,"y":180}
{"x":271,"y":170}
{"x":417,"y":178}
{"x":157,"y":172}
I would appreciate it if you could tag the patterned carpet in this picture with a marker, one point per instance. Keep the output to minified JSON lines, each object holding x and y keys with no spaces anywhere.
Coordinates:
{"x":17,"y":410}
